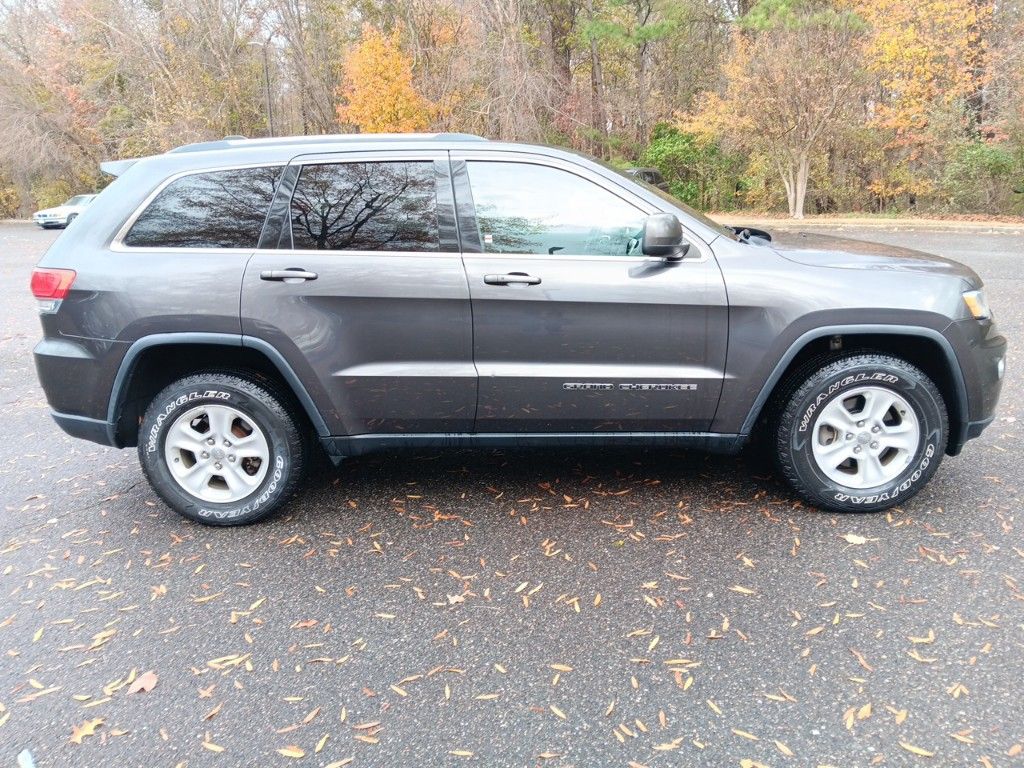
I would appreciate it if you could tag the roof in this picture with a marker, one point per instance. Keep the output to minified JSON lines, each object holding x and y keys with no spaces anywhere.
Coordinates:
{"x":240,"y":142}
{"x":282,"y":145}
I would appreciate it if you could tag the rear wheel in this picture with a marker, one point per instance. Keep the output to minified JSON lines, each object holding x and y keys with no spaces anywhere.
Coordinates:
{"x":221,"y":449}
{"x":860,"y":433}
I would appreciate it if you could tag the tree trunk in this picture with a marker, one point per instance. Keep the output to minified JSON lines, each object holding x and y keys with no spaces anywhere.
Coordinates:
{"x":643,"y":67}
{"x":597,"y":109}
{"x":789,"y":182}
{"x":562,"y":15}
{"x":641,"y":100}
{"x":803,"y":171}
{"x":976,"y":62}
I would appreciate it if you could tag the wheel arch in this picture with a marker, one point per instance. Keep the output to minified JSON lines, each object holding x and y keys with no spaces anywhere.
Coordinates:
{"x":924,"y":347}
{"x":154,"y":361}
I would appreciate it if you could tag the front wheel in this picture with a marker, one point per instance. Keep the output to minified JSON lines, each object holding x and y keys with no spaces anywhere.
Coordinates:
{"x":221,"y":449}
{"x":860,"y":433}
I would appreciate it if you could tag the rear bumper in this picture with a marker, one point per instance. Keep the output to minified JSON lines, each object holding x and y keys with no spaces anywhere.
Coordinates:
{"x":76,"y":376}
{"x":84,"y":428}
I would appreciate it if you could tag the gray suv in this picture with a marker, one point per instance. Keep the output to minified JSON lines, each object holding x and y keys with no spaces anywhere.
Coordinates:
{"x":230,"y":306}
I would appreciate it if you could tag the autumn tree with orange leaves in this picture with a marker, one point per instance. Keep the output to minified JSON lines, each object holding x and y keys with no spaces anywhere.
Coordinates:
{"x":927,"y":58}
{"x":378,"y":91}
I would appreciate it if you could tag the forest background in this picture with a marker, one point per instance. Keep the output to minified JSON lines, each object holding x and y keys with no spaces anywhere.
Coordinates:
{"x":881,"y":107}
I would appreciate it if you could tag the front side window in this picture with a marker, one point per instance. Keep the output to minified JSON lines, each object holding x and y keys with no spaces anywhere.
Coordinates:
{"x":218,"y":209}
{"x":526,"y":208}
{"x":375,"y":206}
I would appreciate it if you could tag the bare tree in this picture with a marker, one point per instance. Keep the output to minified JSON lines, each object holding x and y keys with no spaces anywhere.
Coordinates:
{"x":789,"y":83}
{"x":314,"y":34}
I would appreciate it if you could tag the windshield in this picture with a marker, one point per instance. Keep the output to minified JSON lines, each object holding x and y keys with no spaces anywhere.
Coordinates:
{"x":79,"y":200}
{"x":721,"y":229}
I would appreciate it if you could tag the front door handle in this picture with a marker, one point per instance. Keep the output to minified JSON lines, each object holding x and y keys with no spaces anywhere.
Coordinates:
{"x":291,"y":274}
{"x":512,"y":278}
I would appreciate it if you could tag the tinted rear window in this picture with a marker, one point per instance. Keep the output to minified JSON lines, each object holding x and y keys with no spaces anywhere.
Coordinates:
{"x":377,"y":206}
{"x":220,"y":209}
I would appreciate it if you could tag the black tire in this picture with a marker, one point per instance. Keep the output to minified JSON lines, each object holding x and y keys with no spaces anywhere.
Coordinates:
{"x":261,"y":403}
{"x":819,"y":383}
{"x":71,"y":218}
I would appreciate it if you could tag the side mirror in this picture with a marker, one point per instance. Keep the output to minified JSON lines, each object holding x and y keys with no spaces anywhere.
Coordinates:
{"x":663,"y":236}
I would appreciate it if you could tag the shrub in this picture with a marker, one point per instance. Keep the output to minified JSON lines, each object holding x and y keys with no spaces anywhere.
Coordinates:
{"x":50,"y":192}
{"x":10,"y":200}
{"x":981,"y":177}
{"x":698,"y":170}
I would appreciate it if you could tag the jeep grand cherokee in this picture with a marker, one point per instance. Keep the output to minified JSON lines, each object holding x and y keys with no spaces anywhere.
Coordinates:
{"x":228,"y":306}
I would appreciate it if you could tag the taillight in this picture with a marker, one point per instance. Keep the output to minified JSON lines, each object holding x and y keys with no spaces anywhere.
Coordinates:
{"x":51,"y":286}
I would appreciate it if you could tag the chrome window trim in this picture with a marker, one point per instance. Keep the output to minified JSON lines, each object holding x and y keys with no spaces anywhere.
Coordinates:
{"x":369,"y":156}
{"x":612,"y":187}
{"x":363,"y":252}
{"x":117,"y":243}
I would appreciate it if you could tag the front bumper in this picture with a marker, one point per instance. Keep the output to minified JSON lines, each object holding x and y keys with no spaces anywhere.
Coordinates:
{"x":50,"y":221}
{"x":981,"y":351}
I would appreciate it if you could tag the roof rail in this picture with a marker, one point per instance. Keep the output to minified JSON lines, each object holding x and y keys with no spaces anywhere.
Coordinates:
{"x":231,"y":142}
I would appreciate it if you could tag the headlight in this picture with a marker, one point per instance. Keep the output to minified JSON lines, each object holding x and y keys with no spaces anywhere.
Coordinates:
{"x":977,"y":305}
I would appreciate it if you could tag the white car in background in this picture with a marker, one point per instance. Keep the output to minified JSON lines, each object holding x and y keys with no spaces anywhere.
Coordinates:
{"x":63,"y":214}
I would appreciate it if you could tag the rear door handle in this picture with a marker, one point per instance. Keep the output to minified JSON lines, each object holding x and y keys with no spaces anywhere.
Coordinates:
{"x":287,"y":275}
{"x":512,"y":278}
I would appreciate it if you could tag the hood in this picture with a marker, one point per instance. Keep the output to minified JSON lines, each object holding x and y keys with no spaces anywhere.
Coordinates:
{"x":60,"y":210}
{"x":817,"y":250}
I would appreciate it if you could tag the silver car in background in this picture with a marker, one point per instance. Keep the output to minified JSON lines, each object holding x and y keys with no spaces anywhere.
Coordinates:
{"x":64,"y":213}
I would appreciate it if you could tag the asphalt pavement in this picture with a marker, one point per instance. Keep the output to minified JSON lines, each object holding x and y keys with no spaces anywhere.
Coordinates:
{"x":539,"y":608}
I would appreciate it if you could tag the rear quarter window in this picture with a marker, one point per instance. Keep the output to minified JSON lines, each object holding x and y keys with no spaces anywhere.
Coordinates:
{"x":217,"y":209}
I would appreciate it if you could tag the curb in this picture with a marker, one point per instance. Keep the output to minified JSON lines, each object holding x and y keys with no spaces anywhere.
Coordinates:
{"x":944,"y":225}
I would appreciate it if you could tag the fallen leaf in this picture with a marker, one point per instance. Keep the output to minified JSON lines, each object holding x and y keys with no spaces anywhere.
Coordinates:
{"x":144,"y":683}
{"x":957,"y":690}
{"x":292,"y":751}
{"x":88,"y":728}
{"x":783,"y":748}
{"x":916,"y":750}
